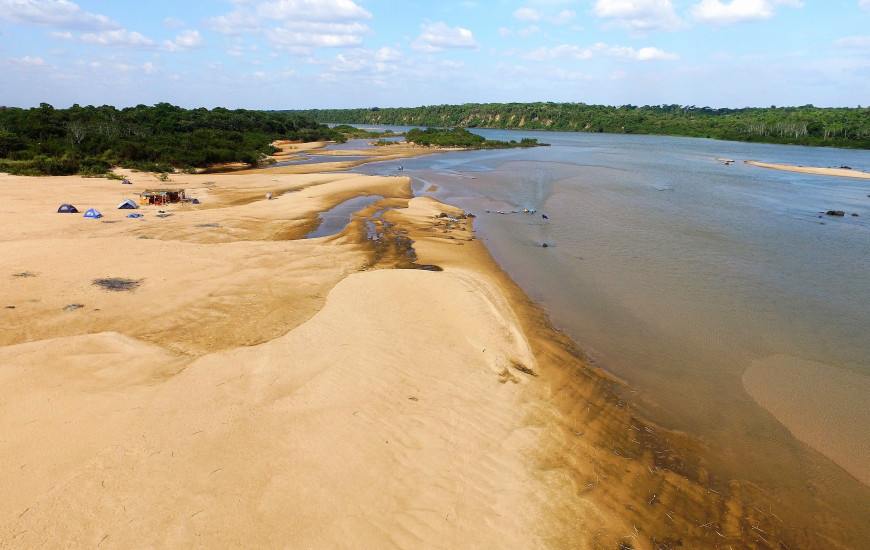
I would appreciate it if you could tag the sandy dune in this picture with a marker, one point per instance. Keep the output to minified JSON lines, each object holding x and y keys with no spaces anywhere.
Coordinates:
{"x":259,"y":389}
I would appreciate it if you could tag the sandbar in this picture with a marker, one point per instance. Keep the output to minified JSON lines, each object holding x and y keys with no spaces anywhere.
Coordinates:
{"x":387,"y":386}
{"x":842,"y":172}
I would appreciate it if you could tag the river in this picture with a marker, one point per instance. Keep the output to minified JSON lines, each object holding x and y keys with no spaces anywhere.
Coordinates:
{"x":722,"y":294}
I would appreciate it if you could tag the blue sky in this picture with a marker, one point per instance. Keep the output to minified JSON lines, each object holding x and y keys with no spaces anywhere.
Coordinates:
{"x":287,"y":54}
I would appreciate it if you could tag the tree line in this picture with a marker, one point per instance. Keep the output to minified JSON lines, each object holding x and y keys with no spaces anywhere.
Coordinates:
{"x":806,"y":125}
{"x":460,"y":137}
{"x":90,"y":140}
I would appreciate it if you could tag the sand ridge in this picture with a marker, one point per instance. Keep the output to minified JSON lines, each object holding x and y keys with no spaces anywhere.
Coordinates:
{"x":842,"y":172}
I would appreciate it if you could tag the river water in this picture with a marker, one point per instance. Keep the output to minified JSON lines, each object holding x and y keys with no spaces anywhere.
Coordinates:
{"x":735,"y":309}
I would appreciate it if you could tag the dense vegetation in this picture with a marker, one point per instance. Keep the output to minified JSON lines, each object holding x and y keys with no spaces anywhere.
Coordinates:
{"x":460,"y":137}
{"x":352,"y":132}
{"x":807,"y":125}
{"x":90,"y":140}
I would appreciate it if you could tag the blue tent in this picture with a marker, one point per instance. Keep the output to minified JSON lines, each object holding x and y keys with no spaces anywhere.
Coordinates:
{"x":134,"y":215}
{"x":127,"y":182}
{"x":67,"y":209}
{"x":93,"y":213}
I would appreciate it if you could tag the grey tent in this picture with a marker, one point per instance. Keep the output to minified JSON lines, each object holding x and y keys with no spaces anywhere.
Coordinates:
{"x":128,"y":204}
{"x":67,"y":209}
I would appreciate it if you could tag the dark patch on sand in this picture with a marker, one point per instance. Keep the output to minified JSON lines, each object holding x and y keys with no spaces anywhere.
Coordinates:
{"x":116,"y":283}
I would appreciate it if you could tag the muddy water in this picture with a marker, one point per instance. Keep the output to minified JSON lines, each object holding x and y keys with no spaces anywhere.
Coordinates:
{"x":735,"y":311}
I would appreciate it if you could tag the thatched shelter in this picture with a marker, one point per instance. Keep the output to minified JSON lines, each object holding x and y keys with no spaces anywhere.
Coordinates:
{"x":161,"y":196}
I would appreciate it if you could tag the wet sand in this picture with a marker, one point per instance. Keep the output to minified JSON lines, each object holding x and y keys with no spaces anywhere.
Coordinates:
{"x":815,"y":401}
{"x":254,"y":388}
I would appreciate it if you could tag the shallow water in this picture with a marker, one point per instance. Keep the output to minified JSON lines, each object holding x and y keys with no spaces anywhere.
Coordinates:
{"x":678,"y":273}
{"x":336,"y":219}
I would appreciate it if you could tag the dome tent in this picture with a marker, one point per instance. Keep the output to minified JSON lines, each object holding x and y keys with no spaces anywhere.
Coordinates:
{"x":93,"y":213}
{"x":128,"y":204}
{"x":67,"y":209}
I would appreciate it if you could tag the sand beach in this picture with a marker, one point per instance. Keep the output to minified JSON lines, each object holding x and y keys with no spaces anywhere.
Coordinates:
{"x":206,"y":376}
{"x":822,"y":171}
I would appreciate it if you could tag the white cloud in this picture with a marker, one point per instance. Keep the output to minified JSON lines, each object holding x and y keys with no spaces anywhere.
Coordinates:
{"x":576,"y":53}
{"x":54,"y":13}
{"x":718,"y":13}
{"x":864,"y":4}
{"x":25,"y":62}
{"x":387,"y":54}
{"x":563,"y":17}
{"x":527,"y":15}
{"x":377,"y":67}
{"x":447,"y":64}
{"x":312,"y":10}
{"x":565,"y":51}
{"x":626,"y":53}
{"x":655,"y":54}
{"x":118,"y":39}
{"x":317,"y":35}
{"x":187,"y":40}
{"x":302,"y":24}
{"x":68,"y":36}
{"x":854,"y":42}
{"x":439,"y":37}
{"x":531,"y":15}
{"x":639,"y":15}
{"x":526,"y":32}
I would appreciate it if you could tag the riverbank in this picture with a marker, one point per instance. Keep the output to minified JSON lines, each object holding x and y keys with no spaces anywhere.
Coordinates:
{"x":387,"y":386}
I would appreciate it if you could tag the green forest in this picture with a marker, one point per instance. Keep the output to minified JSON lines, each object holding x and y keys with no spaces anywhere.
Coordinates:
{"x":161,"y":138}
{"x":807,"y":125}
{"x":91,"y":140}
{"x":460,"y":137}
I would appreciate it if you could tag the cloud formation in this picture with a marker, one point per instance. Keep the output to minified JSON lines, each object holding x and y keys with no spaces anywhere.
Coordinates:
{"x":187,"y":40}
{"x":639,"y":15}
{"x":565,"y":51}
{"x":531,"y":15}
{"x":625,"y":53}
{"x":438,"y":37}
{"x":718,"y":13}
{"x":619,"y":53}
{"x":311,"y":34}
{"x":59,"y":14}
{"x":118,"y":39}
{"x":305,"y":23}
{"x":854,"y":42}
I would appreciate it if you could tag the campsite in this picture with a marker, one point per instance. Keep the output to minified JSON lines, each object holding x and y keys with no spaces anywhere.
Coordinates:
{"x":146,"y":198}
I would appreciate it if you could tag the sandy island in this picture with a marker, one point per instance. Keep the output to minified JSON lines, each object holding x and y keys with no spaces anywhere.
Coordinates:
{"x":385,"y":387}
{"x":842,"y":172}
